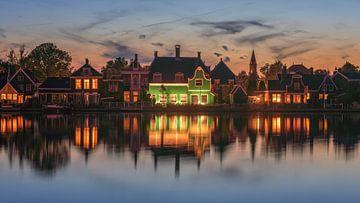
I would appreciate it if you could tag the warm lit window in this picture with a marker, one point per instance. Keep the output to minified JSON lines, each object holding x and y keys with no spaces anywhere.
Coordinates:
{"x":297,"y":99}
{"x":308,"y":96}
{"x":14,"y":97}
{"x":173,"y":98}
{"x":194,"y":99}
{"x":204,"y":99}
{"x":126,"y":96}
{"x":276,"y":98}
{"x":78,"y":84}
{"x":179,"y":77}
{"x":95,"y":84}
{"x":198,"y":82}
{"x":322,"y":96}
{"x":157,"y":77}
{"x":183,"y":99}
{"x":86,"y":84}
{"x":163,"y":98}
{"x":135,"y":96}
{"x":288,"y":99}
{"x":3,"y":96}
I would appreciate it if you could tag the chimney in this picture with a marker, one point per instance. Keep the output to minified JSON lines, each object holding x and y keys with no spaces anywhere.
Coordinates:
{"x":136,"y":57}
{"x":284,"y":71}
{"x":199,"y":55}
{"x":155,"y":54}
{"x":177,"y":51}
{"x":86,"y":61}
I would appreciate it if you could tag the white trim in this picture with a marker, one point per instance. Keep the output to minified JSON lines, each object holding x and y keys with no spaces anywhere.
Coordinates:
{"x":168,"y":84}
{"x":21,"y":69}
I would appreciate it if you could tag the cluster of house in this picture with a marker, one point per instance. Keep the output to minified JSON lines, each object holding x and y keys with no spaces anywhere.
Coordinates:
{"x":174,"y":80}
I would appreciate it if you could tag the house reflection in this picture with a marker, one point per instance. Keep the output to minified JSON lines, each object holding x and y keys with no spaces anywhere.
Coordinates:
{"x":12,"y":124}
{"x":180,"y":135}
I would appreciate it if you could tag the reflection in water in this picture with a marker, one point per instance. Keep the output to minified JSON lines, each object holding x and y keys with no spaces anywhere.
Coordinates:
{"x":44,"y":141}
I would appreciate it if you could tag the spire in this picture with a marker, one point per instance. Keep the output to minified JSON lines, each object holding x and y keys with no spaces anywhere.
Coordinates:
{"x":253,"y":58}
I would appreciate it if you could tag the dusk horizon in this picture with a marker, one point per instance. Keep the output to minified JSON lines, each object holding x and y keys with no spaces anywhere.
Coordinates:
{"x":321,"y":34}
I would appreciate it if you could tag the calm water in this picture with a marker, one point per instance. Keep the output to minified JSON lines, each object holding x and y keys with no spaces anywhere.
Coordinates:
{"x":180,"y":158}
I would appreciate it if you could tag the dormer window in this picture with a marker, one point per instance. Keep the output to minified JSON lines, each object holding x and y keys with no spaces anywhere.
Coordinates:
{"x":179,"y":77}
{"x":86,"y":71}
{"x":157,"y":77}
{"x":231,"y":82}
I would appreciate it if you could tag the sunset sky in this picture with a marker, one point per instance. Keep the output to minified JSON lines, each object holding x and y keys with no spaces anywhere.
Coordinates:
{"x":321,"y":33}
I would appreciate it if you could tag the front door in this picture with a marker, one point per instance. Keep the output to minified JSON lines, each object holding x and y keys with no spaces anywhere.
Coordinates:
{"x":194,"y":99}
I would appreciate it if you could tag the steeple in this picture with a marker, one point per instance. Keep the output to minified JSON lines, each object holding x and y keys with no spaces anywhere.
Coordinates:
{"x":253,"y":58}
{"x":253,"y":77}
{"x":253,"y":64}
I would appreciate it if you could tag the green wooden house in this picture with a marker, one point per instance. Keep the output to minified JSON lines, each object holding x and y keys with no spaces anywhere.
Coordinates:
{"x":196,"y":91}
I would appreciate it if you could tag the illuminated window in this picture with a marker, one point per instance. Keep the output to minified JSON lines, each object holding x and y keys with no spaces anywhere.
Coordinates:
{"x":86,"y":84}
{"x":179,"y":77}
{"x":198,"y":82}
{"x":183,"y":99}
{"x":3,"y":96}
{"x":135,"y":96}
{"x":157,"y":77}
{"x":126,"y":96}
{"x":78,"y":84}
{"x":288,"y":99}
{"x":204,"y":99}
{"x":173,"y":98}
{"x":297,"y":99}
{"x":163,"y":98}
{"x":194,"y":99}
{"x":95,"y":84}
{"x":308,"y":96}
{"x":322,"y":96}
{"x":14,"y":97}
{"x":276,"y":98}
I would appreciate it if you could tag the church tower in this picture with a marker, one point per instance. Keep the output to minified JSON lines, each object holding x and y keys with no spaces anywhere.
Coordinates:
{"x":253,"y":77}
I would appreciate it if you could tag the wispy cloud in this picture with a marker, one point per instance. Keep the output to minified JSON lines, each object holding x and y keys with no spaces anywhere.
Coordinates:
{"x":2,"y":33}
{"x":226,"y":48}
{"x":217,"y":54}
{"x":228,"y":27}
{"x":227,"y":59}
{"x":259,"y":38}
{"x":157,"y":44}
{"x":102,"y":18}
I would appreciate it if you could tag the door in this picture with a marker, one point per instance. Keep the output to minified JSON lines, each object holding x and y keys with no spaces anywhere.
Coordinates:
{"x":194,"y":99}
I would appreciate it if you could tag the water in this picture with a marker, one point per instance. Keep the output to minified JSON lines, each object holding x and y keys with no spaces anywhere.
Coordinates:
{"x":180,"y":158}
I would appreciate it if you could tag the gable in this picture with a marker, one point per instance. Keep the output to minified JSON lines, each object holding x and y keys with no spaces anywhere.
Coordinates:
{"x":22,"y":73}
{"x":8,"y":89}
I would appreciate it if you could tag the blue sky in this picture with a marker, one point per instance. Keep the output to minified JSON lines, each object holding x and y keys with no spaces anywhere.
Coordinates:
{"x":321,"y":33}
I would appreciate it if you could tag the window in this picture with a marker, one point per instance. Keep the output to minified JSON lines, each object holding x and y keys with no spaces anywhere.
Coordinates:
{"x":288,"y":99}
{"x":157,"y":77}
{"x":204,"y":99}
{"x":231,"y":82}
{"x":28,"y":87}
{"x":297,"y":86}
{"x":276,"y":98}
{"x":20,"y":78}
{"x":179,"y":77}
{"x":194,"y":99}
{"x":135,"y":81}
{"x":95,"y":84}
{"x":78,"y":84}
{"x":86,"y":71}
{"x":217,"y":81}
{"x":126,"y":96}
{"x":173,"y":98}
{"x":198,"y":82}
{"x":183,"y":99}
{"x":86,"y":84}
{"x":297,"y":99}
{"x":135,"y":96}
{"x":3,"y":96}
{"x":21,"y":87}
{"x":163,"y":98}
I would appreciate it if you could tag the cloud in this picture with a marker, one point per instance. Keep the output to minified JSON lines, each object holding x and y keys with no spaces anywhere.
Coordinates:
{"x":116,"y":50}
{"x":228,"y":27}
{"x":259,"y":37}
{"x":102,"y":18}
{"x":157,"y":44}
{"x":217,"y":54}
{"x":293,"y":48}
{"x":227,"y":59}
{"x":243,"y":57}
{"x":2,"y":33}
{"x":226,"y":48}
{"x":142,"y":36}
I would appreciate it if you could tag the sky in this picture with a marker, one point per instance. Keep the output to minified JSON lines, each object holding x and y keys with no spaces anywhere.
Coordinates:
{"x":319,"y":34}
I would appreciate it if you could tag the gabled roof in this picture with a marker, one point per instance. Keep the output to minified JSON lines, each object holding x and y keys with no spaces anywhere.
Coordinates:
{"x":355,"y":76}
{"x":80,"y":71}
{"x":169,"y":66}
{"x":299,"y":69}
{"x":7,"y":71}
{"x":27,"y":73}
{"x":237,"y":88}
{"x":312,"y":81}
{"x":276,"y":85}
{"x":55,"y":83}
{"x":222,"y":72}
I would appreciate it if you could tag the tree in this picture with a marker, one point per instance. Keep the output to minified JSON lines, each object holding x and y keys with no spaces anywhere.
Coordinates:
{"x":47,"y":60}
{"x":349,"y":68}
{"x":270,"y":71}
{"x":243,"y":79}
{"x":114,"y":66}
{"x":17,"y":59}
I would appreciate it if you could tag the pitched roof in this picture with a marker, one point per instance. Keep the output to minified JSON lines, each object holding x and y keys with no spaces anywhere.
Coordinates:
{"x":7,"y":71}
{"x":222,"y":72}
{"x":312,"y":81}
{"x":169,"y":66}
{"x":56,"y":83}
{"x":275,"y":85}
{"x":80,"y":71}
{"x":352,"y":76}
{"x":299,"y":69}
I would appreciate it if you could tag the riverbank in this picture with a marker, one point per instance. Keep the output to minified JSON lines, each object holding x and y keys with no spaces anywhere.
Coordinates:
{"x":180,"y":109}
